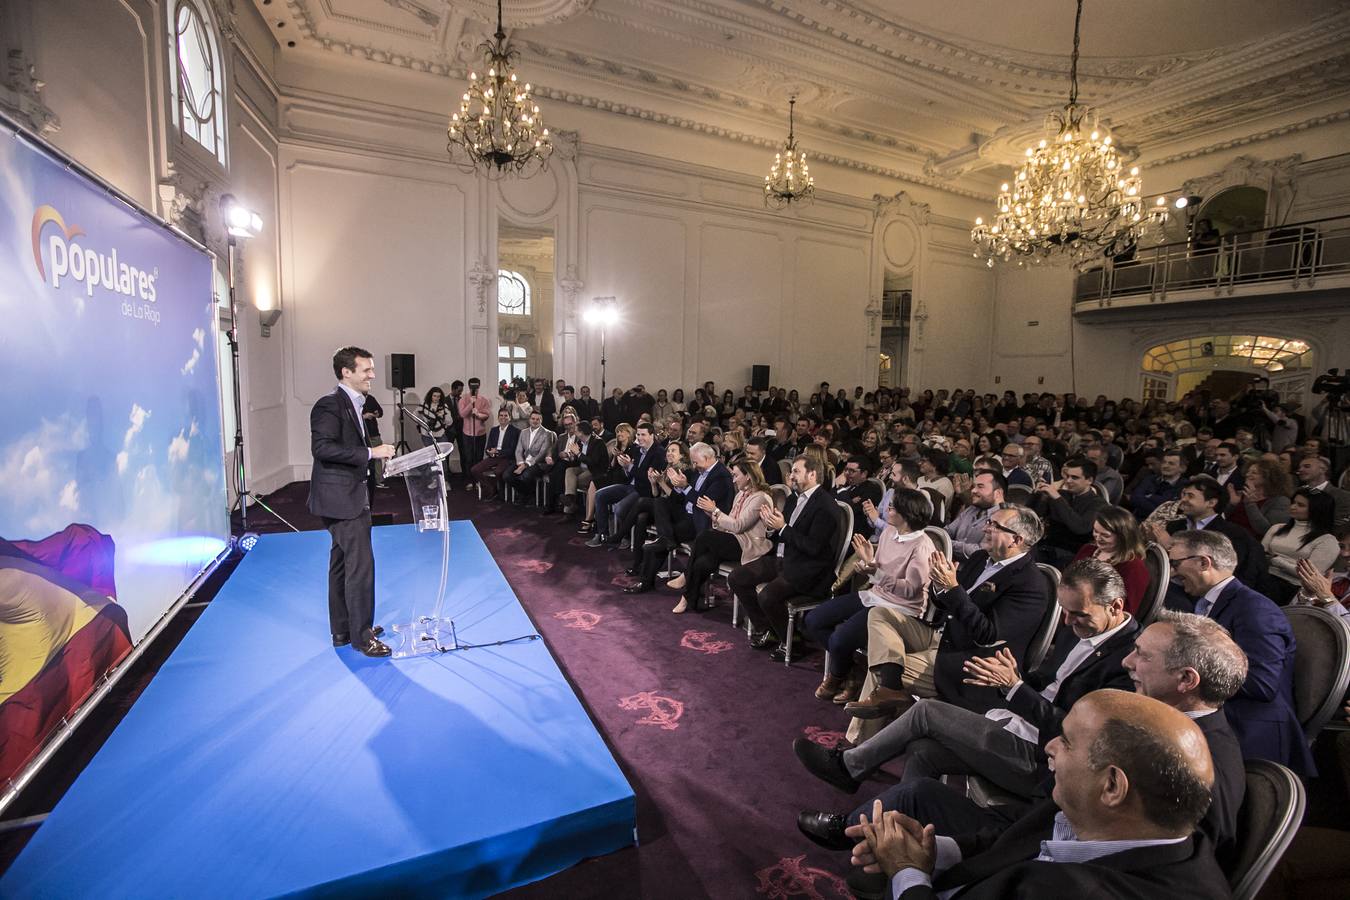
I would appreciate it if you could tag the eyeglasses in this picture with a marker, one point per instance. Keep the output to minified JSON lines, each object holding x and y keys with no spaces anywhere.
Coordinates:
{"x":994,"y":523}
{"x":1177,"y":562}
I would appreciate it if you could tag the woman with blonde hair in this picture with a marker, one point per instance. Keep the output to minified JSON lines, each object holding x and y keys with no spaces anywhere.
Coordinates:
{"x":623,"y":440}
{"x":735,"y":536}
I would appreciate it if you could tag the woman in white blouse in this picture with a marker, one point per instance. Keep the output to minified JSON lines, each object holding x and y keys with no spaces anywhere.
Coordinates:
{"x":1307,"y":535}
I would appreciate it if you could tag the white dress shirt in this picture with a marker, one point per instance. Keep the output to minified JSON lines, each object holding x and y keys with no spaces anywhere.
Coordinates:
{"x":796,"y":513}
{"x":359,"y":404}
{"x":1019,"y":726}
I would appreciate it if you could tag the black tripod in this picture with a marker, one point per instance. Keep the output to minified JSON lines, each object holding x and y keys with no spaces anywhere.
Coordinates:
{"x":242,"y":495}
{"x":402,"y":445}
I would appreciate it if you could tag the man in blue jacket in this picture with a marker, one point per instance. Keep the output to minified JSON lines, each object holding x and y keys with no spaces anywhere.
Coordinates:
{"x":1262,"y":712}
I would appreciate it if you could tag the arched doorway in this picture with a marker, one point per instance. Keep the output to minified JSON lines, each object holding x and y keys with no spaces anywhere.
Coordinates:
{"x":1234,"y":209}
{"x":1224,"y":363}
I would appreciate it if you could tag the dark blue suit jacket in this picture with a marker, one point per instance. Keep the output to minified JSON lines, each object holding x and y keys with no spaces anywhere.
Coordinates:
{"x":717,"y":487}
{"x":655,"y":459}
{"x":337,"y":483}
{"x":508,"y":445}
{"x":1262,"y":713}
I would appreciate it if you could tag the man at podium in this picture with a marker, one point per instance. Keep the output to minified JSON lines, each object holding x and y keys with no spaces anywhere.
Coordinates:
{"x":338,"y":495}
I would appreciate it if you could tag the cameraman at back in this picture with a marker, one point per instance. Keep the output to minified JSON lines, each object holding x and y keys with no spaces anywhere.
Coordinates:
{"x":1251,"y":409}
{"x":1331,"y":417}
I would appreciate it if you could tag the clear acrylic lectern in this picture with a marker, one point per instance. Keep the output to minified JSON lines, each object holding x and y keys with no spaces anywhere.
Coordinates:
{"x":429,"y":632}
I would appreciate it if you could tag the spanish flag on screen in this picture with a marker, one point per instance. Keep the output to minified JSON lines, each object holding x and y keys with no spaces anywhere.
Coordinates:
{"x":61,"y":630}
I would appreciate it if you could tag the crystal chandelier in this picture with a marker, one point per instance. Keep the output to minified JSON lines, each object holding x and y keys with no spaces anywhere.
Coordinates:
{"x":1072,"y":196}
{"x":788,"y":177}
{"x":498,"y":129}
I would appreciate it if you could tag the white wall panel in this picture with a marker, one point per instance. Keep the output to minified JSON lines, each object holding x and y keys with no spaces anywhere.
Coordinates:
{"x":375,"y":257}
{"x":828,"y":325}
{"x":640,"y":259}
{"x":739,"y":308}
{"x":100,"y":61}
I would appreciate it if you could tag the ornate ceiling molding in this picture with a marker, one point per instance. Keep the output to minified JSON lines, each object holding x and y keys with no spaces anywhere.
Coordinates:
{"x":524,"y":13}
{"x":1304,"y":125}
{"x":894,"y":95}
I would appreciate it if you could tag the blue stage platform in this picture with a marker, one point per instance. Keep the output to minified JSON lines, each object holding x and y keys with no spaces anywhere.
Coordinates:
{"x":263,"y":762}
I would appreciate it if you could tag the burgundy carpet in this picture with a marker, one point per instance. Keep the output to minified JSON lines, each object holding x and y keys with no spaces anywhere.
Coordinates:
{"x":701,"y":724}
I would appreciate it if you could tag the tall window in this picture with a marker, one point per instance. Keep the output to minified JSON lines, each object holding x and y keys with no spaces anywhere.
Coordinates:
{"x":198,"y":85}
{"x":513,"y":294}
{"x":511,"y":362}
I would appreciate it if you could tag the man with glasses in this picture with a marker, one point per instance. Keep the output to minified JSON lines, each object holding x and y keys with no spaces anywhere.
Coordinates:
{"x":855,"y":487}
{"x":996,"y":595}
{"x":1038,"y":467}
{"x":1013,"y":473}
{"x":1262,"y":711}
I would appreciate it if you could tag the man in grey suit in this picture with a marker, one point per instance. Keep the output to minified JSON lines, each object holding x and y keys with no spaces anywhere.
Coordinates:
{"x":532,"y":451}
{"x":337,"y":494}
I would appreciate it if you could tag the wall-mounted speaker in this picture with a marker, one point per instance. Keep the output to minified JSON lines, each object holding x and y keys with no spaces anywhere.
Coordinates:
{"x":759,"y":378}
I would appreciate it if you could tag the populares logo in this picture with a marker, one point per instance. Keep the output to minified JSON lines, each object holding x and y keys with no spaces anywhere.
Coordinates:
{"x":68,"y":258}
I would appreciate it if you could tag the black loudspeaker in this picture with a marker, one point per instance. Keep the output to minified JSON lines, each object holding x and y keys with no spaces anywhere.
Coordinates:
{"x":759,"y":378}
{"x":402,"y":371}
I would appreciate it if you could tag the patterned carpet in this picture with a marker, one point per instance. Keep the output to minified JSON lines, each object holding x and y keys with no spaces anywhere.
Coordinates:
{"x":701,"y":724}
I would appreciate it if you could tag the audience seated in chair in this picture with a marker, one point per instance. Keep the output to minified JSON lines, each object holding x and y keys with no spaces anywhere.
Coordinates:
{"x":682,"y":517}
{"x":1262,"y":713}
{"x":533,"y":457}
{"x":803,"y":559}
{"x":897,"y":570}
{"x":1133,"y":778}
{"x":499,"y":455}
{"x":997,"y":595}
{"x":738,"y":535}
{"x":1201,"y":505}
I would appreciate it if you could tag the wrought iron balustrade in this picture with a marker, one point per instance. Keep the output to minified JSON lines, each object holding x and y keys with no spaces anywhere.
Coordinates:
{"x":1296,"y":254}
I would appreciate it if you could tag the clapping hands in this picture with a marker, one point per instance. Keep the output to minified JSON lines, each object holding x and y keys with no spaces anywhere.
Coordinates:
{"x":892,"y":841}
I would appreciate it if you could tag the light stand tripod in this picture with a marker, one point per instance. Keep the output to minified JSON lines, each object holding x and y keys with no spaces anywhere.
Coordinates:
{"x":402,"y":445}
{"x":240,"y":471}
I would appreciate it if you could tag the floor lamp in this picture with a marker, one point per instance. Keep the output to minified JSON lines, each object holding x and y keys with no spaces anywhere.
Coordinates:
{"x":603,"y":312}
{"x":240,"y":222}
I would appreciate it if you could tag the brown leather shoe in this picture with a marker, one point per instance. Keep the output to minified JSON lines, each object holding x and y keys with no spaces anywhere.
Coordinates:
{"x":881,"y":702}
{"x":372,"y":647}
{"x":849,"y":692}
{"x":829,"y":687}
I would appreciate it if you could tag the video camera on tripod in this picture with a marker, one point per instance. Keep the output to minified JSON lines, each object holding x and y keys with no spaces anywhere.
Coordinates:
{"x":1335,"y":385}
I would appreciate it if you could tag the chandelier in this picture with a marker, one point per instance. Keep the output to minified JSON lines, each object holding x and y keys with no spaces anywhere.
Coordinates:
{"x":498,"y":129}
{"x":1072,"y":195}
{"x":788,"y":177}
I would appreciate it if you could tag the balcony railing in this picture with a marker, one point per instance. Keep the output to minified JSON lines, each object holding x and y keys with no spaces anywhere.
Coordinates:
{"x":1296,"y":254}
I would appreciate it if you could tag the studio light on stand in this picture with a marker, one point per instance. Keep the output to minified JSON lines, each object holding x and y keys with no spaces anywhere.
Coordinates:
{"x":241,"y":223}
{"x":604,"y":314}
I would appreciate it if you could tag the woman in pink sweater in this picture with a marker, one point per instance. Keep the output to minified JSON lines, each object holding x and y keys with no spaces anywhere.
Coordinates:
{"x":898,"y":566}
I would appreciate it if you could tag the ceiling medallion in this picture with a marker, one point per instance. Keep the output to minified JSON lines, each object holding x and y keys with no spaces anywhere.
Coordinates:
{"x":1072,"y":196}
{"x":505,"y":134}
{"x":788,"y":178}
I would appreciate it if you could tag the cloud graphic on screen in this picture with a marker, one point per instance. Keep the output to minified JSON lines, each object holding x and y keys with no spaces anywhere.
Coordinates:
{"x":122,"y":459}
{"x":178,"y":448}
{"x":199,"y":335}
{"x":138,"y":417}
{"x":192,"y":362}
{"x":33,"y":467}
{"x":70,"y":496}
